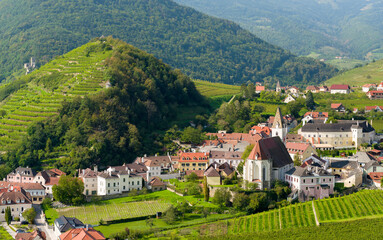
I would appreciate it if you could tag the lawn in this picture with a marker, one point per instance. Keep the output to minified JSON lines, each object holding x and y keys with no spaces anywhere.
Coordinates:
{"x":4,"y":235}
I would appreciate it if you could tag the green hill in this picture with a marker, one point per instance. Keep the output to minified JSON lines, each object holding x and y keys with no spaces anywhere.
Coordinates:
{"x":370,"y":73}
{"x":358,"y":206}
{"x":201,"y":46}
{"x":329,"y":28}
{"x":64,"y":114}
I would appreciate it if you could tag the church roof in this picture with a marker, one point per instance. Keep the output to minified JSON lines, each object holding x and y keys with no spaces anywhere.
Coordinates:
{"x":273,"y":149}
{"x":278,"y":120}
{"x":342,"y":126}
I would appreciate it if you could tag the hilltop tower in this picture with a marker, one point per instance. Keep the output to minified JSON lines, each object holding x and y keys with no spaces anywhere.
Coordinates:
{"x":279,"y":128}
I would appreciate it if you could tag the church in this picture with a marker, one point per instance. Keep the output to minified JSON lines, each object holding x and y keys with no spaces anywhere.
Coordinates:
{"x":268,"y":161}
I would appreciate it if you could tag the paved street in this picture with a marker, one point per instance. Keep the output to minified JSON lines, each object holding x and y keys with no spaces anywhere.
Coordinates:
{"x":40,"y":223}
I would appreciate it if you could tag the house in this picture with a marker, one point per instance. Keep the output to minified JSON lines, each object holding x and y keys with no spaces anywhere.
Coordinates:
{"x":338,"y":107}
{"x":303,"y":150}
{"x":323,"y":89}
{"x":368,"y":87}
{"x":288,"y":120}
{"x":86,"y":233}
{"x":259,"y":89}
{"x":17,"y":199}
{"x":372,"y":166}
{"x":118,"y":179}
{"x":375,"y":94}
{"x":35,"y":190}
{"x":193,"y":161}
{"x":21,"y":175}
{"x":376,"y":178}
{"x":293,"y":90}
{"x":310,"y":182}
{"x":373,"y":108}
{"x":156,"y":184}
{"x":212,"y":176}
{"x":380,"y":87}
{"x":29,"y":67}
{"x":249,"y":138}
{"x":315,"y":161}
{"x":64,"y":224}
{"x":229,"y":157}
{"x":347,"y":172}
{"x":89,"y":177}
{"x":156,"y":165}
{"x":268,"y":161}
{"x":362,"y":158}
{"x":315,"y":116}
{"x":49,"y":178}
{"x":345,"y":133}
{"x":355,"y":110}
{"x":313,"y":89}
{"x":224,"y":169}
{"x":35,"y":235}
{"x":290,"y":137}
{"x":340,"y":88}
{"x":263,"y":130}
{"x":289,"y":99}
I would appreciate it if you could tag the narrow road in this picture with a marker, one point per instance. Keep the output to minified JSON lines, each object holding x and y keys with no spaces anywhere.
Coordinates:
{"x":315,"y":214}
{"x":40,"y":223}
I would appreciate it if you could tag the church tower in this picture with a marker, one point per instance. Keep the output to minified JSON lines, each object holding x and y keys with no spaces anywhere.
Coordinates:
{"x":279,"y":128}
{"x":278,"y":88}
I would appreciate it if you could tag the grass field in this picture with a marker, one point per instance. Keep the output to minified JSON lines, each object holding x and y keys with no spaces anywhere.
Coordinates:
{"x":210,"y":89}
{"x":345,"y":64}
{"x":4,"y":235}
{"x":371,"y":73}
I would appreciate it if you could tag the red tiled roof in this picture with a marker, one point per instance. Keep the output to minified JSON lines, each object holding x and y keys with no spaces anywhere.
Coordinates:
{"x":198,"y":172}
{"x":191,"y":156}
{"x":293,"y":147}
{"x":369,"y":108}
{"x":369,"y":85}
{"x":259,"y":129}
{"x":53,"y":181}
{"x":315,"y":88}
{"x":82,"y":234}
{"x":375,"y":92}
{"x":335,"y":105}
{"x":260,"y":88}
{"x":340,"y":87}
{"x":317,"y":114}
{"x":376,"y":176}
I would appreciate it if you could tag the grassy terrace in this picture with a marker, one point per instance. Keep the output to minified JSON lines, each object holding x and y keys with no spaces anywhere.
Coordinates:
{"x":210,"y":89}
{"x":4,"y":235}
{"x":74,"y":74}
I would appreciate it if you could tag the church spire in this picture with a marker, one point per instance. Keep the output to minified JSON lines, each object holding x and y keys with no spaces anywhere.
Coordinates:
{"x":278,"y":88}
{"x":278,"y":120}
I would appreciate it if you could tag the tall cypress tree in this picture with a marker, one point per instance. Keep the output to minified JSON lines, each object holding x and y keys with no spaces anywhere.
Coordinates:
{"x":8,"y":215}
{"x":205,"y":189}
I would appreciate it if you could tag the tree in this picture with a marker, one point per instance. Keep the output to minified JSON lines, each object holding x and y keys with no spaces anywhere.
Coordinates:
{"x":192,"y":177}
{"x":206,"y":191}
{"x":193,"y":188}
{"x":222,"y":197}
{"x":30,"y":215}
{"x":240,"y":167}
{"x":69,"y":190}
{"x":149,"y":222}
{"x":247,"y":151}
{"x":170,"y":215}
{"x":192,"y":135}
{"x":297,"y":160}
{"x":240,"y":201}
{"x":310,"y":104}
{"x":381,"y":183}
{"x":8,"y":215}
{"x":258,"y":202}
{"x":205,"y":212}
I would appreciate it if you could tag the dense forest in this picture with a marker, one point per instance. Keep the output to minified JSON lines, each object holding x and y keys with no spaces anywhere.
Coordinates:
{"x":203,"y":47}
{"x":330,"y":28}
{"x":115,"y":125}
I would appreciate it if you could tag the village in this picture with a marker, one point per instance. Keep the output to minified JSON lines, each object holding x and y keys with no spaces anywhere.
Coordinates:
{"x":322,"y":159}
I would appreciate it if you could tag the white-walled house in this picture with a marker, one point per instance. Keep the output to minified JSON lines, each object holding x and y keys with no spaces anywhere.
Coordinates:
{"x":89,"y":178}
{"x":17,"y":200}
{"x":117,"y":180}
{"x":310,"y":182}
{"x":340,"y":88}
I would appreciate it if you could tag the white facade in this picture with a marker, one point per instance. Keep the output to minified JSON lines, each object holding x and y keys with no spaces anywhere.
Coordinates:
{"x":258,"y":171}
{"x":342,"y":91}
{"x":90,"y":186}
{"x":109,"y":183}
{"x":289,"y":98}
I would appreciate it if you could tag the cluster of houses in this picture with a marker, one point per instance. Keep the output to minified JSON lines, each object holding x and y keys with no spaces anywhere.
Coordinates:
{"x":373,"y":91}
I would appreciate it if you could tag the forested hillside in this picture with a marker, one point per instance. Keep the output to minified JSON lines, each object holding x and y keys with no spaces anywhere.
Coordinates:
{"x":89,"y":123}
{"x":351,"y":28}
{"x":203,"y":47}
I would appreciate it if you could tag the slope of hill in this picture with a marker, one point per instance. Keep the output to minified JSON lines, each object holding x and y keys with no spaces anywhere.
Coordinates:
{"x":203,"y":47}
{"x":361,"y":205}
{"x":370,"y":73}
{"x":65,"y":109}
{"x":330,"y":28}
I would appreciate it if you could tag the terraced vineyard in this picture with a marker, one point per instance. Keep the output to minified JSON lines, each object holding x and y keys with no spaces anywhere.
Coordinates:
{"x":77,"y":73}
{"x":363,"y":204}
{"x":210,"y":89}
{"x":358,"y":205}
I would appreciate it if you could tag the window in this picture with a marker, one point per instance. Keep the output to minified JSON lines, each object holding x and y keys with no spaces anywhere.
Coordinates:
{"x":124,"y":178}
{"x":138,"y":182}
{"x":312,"y":180}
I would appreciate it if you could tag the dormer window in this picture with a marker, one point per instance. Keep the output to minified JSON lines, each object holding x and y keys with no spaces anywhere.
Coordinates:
{"x":9,"y":201}
{"x":3,"y":201}
{"x":17,"y":200}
